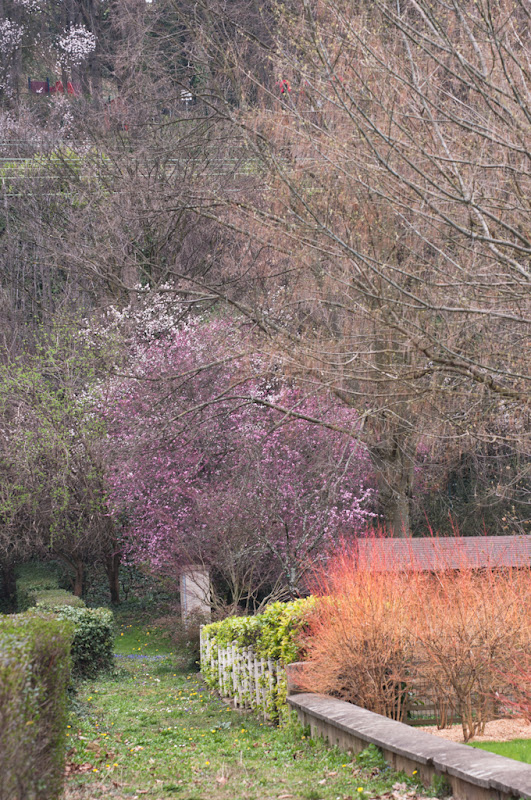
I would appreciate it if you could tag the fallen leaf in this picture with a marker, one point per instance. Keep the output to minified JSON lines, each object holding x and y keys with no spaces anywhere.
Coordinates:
{"x":77,"y":769}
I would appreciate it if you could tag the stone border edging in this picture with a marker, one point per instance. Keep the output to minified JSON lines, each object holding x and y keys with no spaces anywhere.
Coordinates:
{"x":473,"y":774}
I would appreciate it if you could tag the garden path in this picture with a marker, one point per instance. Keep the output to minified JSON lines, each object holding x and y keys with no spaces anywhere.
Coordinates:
{"x":155,"y":731}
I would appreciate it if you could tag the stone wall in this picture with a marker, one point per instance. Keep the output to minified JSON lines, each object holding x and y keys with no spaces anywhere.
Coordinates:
{"x":473,"y":774}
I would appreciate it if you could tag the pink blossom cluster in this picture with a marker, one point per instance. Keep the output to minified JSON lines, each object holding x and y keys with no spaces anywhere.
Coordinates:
{"x":202,"y":460}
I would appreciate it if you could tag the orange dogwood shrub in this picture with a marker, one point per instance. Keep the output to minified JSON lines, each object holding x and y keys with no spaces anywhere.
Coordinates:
{"x":359,"y":645}
{"x":518,"y":679}
{"x":470,"y":626}
{"x":384,"y":629}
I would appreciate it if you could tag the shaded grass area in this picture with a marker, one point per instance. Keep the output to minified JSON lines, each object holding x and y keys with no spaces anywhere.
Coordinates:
{"x":154,"y":731}
{"x":518,"y":749}
{"x":132,"y":638}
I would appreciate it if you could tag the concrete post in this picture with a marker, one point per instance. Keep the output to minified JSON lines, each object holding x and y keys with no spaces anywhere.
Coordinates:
{"x":195,"y":592}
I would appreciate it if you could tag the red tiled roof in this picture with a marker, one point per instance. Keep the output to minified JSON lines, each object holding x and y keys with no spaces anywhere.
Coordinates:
{"x":433,"y":554}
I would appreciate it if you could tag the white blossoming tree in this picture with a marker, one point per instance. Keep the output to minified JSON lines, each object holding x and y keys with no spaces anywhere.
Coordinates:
{"x":51,"y":36}
{"x":11,"y":34}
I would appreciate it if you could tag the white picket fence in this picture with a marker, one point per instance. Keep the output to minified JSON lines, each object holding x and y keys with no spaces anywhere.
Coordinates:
{"x":238,"y":674}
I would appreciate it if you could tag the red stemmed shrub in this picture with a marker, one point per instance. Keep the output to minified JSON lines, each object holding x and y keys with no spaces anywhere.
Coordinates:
{"x":360,"y":645}
{"x":518,"y":680}
{"x":470,"y":626}
{"x":386,"y":631}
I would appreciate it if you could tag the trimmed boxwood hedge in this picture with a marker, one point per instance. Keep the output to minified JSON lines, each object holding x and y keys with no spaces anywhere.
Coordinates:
{"x":92,"y":646}
{"x":53,"y":598}
{"x":37,"y":585}
{"x":34,"y":678}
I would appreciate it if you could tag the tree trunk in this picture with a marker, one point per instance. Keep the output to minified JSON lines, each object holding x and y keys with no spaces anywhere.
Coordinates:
{"x":79,"y":575}
{"x":112,"y":568}
{"x":394,"y":462}
{"x":8,"y":587}
{"x":398,"y":513}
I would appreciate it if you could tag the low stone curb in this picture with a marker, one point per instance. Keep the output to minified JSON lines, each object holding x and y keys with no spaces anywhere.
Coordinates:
{"x":472,"y":774}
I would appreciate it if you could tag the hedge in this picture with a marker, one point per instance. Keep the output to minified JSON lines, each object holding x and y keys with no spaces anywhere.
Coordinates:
{"x":92,"y":646}
{"x":52,"y":598}
{"x":48,"y":599}
{"x":34,"y":677}
{"x":37,"y":585}
{"x":276,"y":635}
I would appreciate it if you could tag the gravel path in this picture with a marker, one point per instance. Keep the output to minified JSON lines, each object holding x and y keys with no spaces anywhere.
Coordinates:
{"x":499,"y":730}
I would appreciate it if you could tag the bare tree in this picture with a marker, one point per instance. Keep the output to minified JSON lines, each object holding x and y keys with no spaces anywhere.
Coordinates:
{"x":352,"y":178}
{"x":393,"y":154}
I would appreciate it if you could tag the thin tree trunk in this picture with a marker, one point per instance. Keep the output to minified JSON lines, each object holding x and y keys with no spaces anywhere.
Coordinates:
{"x":8,"y":587}
{"x":78,"y":577}
{"x":394,"y":463}
{"x":112,"y":568}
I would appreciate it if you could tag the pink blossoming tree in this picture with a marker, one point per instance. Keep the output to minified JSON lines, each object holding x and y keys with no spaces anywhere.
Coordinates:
{"x":204,"y":468}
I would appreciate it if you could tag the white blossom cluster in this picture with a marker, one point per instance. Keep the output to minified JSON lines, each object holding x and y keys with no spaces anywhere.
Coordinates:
{"x":10,"y":35}
{"x":154,"y":313}
{"x":21,"y":127}
{"x":61,"y":114}
{"x":30,"y":5}
{"x":77,"y":43}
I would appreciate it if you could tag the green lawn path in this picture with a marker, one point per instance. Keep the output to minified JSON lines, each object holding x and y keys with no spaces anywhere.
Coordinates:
{"x":153,"y":731}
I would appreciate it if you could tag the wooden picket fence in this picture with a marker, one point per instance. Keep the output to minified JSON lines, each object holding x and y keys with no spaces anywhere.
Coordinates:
{"x":238,"y":674}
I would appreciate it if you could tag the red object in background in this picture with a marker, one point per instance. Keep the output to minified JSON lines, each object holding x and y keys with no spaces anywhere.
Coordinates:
{"x":44,"y":87}
{"x":284,"y":86}
{"x":39,"y":87}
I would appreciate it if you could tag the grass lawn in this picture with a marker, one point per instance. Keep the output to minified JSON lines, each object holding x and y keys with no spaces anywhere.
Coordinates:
{"x":132,"y":639}
{"x":156,"y":732}
{"x":519,"y":749}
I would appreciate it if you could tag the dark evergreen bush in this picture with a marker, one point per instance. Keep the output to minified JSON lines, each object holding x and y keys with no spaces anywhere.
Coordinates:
{"x":92,"y":647}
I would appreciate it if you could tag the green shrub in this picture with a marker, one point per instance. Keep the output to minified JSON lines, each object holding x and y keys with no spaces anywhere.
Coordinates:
{"x":34,"y":677}
{"x":34,"y":577}
{"x":92,"y":647}
{"x":275,"y":635}
{"x":38,"y":586}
